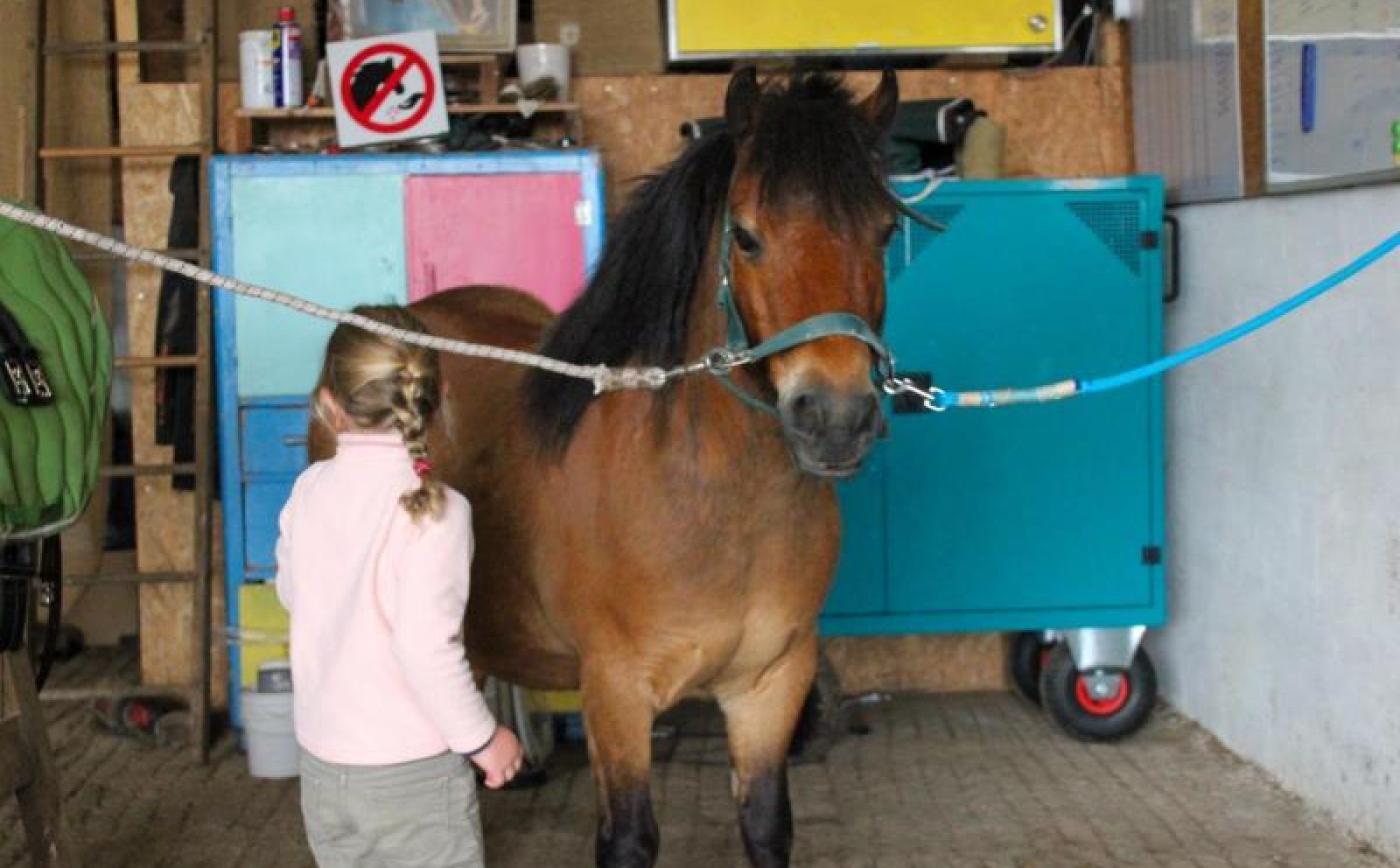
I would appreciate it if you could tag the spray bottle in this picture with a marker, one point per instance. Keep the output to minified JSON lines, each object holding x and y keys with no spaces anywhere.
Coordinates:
{"x":286,"y":59}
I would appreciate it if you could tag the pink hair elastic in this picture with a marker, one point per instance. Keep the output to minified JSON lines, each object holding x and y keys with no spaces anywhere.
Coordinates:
{"x":422,"y":467}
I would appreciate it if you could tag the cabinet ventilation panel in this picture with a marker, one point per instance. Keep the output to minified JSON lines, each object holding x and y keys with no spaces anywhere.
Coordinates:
{"x":1118,"y":225}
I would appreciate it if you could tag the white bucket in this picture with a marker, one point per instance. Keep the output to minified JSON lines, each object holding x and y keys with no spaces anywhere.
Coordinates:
{"x":270,"y":735}
{"x":544,"y":60}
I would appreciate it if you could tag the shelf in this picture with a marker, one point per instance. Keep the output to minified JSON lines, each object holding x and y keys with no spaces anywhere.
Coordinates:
{"x":327,"y":113}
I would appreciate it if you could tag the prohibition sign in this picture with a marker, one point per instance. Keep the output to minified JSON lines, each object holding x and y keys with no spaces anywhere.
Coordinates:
{"x":409,"y":60}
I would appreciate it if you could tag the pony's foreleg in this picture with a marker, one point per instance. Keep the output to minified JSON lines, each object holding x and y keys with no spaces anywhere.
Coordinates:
{"x":760,"y":721}
{"x":618,"y":716}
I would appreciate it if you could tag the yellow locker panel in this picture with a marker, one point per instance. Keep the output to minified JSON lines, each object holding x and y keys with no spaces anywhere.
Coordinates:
{"x":701,"y":29}
{"x":262,"y":628}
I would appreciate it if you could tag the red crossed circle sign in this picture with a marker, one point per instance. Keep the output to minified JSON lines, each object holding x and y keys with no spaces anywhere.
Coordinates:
{"x":409,"y":60}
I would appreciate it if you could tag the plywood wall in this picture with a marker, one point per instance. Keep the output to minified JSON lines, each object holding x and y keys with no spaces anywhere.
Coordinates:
{"x":957,"y":662}
{"x":1070,"y":122}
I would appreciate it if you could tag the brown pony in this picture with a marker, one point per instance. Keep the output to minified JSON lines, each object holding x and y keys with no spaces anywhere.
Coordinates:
{"x":649,"y":546}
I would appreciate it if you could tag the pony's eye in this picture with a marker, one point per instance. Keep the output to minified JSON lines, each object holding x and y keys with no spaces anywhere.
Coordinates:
{"x":744,"y":240}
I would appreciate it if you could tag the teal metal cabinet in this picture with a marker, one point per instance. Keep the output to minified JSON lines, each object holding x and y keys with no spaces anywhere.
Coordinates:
{"x":1046,"y":517}
{"x":353,"y":229}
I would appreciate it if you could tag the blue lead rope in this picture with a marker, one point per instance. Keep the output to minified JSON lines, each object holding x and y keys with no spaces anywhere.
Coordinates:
{"x":943,"y":399}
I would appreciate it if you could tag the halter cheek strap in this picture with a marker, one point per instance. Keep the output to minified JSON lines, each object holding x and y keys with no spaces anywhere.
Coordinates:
{"x":738,"y":351}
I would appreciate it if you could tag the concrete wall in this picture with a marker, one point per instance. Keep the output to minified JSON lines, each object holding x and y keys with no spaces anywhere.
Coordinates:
{"x":1284,"y":501}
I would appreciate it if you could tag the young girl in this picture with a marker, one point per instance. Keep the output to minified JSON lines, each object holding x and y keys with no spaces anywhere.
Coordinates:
{"x":373,"y":564}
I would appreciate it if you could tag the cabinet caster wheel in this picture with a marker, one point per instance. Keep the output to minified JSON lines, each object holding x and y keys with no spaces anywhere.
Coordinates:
{"x":1106,"y":705}
{"x":1029,"y":651}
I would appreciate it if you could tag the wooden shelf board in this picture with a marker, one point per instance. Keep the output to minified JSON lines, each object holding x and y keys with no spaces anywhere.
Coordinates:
{"x":326,"y":113}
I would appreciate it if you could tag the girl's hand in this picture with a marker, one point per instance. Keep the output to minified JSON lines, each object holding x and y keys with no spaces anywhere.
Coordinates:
{"x":501,"y":759}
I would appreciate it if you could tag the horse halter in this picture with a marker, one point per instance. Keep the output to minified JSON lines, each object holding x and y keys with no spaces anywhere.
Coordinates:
{"x":738,"y":350}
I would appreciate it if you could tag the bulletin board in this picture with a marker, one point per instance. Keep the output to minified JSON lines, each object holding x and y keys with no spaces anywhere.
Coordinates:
{"x":1332,"y":91}
{"x":728,"y":29}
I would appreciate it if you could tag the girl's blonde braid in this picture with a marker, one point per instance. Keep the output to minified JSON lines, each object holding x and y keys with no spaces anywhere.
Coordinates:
{"x":413,"y":403}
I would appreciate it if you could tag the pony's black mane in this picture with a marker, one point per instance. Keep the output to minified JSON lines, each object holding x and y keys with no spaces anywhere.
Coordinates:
{"x":809,"y":145}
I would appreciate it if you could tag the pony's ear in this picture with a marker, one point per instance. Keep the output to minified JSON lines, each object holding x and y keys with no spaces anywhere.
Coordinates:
{"x":741,"y":102}
{"x":879,"y":107}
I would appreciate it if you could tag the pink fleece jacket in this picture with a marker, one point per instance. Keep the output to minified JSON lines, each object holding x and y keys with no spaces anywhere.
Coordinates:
{"x":376,"y":603}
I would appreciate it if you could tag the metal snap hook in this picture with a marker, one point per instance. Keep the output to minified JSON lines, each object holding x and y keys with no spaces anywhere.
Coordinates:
{"x":932,"y":396}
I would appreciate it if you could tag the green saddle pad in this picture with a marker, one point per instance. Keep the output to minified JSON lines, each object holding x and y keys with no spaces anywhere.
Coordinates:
{"x":49,"y":455}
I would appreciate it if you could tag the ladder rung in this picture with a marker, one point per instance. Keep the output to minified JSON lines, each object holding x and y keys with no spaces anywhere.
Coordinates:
{"x":83,"y":694}
{"x":124,"y":470}
{"x":121,"y":151}
{"x":166,"y":578}
{"x":114,"y":47}
{"x":157,"y":361}
{"x":100,"y":256}
{"x":130,"y":578}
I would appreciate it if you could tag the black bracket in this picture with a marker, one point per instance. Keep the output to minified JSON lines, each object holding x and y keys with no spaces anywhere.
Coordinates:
{"x":1172,"y":229}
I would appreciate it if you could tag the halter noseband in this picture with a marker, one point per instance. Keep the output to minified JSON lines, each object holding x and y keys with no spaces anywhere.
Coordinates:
{"x":738,"y":351}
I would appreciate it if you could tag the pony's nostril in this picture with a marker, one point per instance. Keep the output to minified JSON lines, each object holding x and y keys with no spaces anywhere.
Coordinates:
{"x":868,"y":418}
{"x":806,"y":413}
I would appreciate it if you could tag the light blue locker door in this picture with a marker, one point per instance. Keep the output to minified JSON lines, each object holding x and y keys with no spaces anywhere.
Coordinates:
{"x":336,"y":239}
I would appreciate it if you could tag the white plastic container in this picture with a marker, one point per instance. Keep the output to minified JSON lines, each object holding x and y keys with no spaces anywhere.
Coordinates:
{"x":269,"y":734}
{"x":544,"y":60}
{"x":255,"y":69}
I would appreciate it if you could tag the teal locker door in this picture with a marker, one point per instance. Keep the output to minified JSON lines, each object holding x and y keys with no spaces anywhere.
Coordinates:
{"x":1040,"y":510}
{"x":336,"y":239}
{"x":861,"y":570}
{"x":861,"y":586}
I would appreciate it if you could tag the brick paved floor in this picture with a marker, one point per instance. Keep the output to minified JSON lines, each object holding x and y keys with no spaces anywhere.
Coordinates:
{"x":946,"y":780}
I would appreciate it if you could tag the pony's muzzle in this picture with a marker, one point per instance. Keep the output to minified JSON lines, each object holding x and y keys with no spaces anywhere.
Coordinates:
{"x":829,"y":431}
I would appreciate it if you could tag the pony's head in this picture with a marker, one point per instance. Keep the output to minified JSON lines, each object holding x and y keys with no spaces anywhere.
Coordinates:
{"x":809,"y":217}
{"x":798,"y":172}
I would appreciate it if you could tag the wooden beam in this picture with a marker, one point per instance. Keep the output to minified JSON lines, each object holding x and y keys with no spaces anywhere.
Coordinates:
{"x":17,"y":19}
{"x":41,"y":799}
{"x":15,"y":768}
{"x":1253,"y":150}
{"x":124,"y":19}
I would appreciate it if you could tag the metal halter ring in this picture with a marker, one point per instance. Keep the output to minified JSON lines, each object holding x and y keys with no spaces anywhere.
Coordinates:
{"x":722,"y":360}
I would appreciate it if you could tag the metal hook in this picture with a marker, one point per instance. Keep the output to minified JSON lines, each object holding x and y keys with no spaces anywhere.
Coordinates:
{"x":932,"y":397}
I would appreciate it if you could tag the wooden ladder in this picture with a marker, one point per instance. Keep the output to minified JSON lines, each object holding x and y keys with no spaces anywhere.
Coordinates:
{"x":27,"y":767}
{"x":197,"y":690}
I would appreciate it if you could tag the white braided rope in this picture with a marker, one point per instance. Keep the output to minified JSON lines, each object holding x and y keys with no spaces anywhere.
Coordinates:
{"x":604,"y":378}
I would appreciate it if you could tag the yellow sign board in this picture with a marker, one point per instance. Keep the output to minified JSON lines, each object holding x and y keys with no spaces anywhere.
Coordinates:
{"x":701,"y":29}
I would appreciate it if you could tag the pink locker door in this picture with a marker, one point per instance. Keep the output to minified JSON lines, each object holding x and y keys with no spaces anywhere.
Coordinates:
{"x":510,"y":229}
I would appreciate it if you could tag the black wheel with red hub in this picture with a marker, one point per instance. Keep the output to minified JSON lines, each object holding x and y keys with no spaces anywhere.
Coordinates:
{"x":1029,"y":651}
{"x":1071,"y":700}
